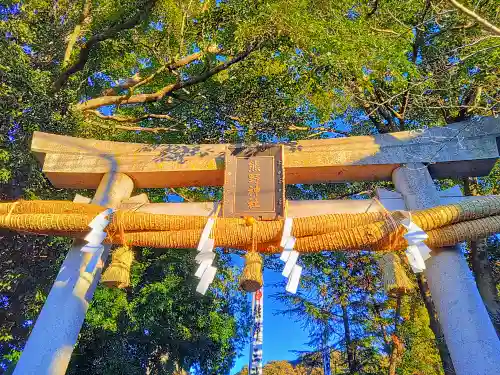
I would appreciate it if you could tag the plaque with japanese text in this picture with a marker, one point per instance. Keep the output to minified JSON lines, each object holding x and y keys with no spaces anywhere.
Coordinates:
{"x":254,"y":182}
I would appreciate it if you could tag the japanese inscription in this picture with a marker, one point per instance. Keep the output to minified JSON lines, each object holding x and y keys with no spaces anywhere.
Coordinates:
{"x":254,"y":184}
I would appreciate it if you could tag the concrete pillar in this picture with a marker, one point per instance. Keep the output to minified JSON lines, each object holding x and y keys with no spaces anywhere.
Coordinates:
{"x":470,"y":336}
{"x":49,"y":347}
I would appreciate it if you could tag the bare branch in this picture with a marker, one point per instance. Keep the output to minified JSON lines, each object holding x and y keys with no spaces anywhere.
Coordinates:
{"x":471,"y":14}
{"x":120,"y":119}
{"x":320,"y":130}
{"x":160,"y":94}
{"x":139,"y":128}
{"x":387,"y":31}
{"x":180,"y":195}
{"x":109,"y":33}
{"x":128,"y":119}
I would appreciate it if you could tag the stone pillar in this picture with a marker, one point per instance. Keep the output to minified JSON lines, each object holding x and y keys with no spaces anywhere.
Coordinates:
{"x":49,"y":347}
{"x":470,"y":335}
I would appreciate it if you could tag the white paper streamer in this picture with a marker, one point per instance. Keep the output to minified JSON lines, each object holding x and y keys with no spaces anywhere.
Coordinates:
{"x":289,"y":245}
{"x":425,"y":252}
{"x":294,"y":279}
{"x":287,"y":231}
{"x":95,"y":237}
{"x":290,"y":263}
{"x":285,"y":255}
{"x":201,"y":269}
{"x":415,"y":234}
{"x":100,"y":222}
{"x":291,"y":270}
{"x":206,"y":279}
{"x":205,"y":257}
{"x":415,"y":258}
{"x":417,"y":252}
{"x":206,"y":232}
{"x":208,"y":246}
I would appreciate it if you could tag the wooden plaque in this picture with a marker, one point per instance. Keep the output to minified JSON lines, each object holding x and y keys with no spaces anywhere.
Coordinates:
{"x":254,"y":182}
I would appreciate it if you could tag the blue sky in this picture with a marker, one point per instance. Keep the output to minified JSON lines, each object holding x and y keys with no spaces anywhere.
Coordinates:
{"x":282,"y":335}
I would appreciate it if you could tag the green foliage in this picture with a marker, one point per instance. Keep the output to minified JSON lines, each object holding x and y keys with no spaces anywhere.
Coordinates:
{"x":161,"y":324}
{"x":316,"y":69}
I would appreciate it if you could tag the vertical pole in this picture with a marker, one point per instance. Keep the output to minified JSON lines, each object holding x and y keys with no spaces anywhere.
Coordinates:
{"x":51,"y":342}
{"x":470,"y":336}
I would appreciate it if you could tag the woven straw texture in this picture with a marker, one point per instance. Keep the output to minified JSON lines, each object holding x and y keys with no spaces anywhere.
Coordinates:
{"x":117,"y":275}
{"x":445,"y":225}
{"x":251,"y":277}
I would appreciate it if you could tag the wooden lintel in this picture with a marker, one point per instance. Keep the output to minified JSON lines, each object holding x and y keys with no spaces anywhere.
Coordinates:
{"x":295,"y":208}
{"x":462,"y":149}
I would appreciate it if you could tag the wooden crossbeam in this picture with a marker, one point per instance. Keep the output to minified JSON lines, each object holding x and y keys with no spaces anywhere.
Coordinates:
{"x":458,"y":150}
{"x":390,"y":202}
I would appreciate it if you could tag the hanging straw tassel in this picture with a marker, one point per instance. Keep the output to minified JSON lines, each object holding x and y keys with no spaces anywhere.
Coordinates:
{"x":117,"y":275}
{"x":394,"y":277}
{"x":251,"y":278}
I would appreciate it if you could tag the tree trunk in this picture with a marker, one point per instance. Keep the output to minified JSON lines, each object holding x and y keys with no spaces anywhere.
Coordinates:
{"x":397,"y":347}
{"x":385,"y":337}
{"x":72,"y":38}
{"x":435,"y":325}
{"x":347,"y":335}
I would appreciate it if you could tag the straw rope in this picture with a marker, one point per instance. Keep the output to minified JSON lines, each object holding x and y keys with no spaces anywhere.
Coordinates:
{"x":376,"y":237}
{"x":47,"y":216}
{"x":139,"y":221}
{"x":466,"y":210}
{"x":445,"y":225}
{"x":49,"y":207}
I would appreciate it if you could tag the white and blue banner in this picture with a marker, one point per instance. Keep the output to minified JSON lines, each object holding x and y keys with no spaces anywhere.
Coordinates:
{"x":255,"y":361}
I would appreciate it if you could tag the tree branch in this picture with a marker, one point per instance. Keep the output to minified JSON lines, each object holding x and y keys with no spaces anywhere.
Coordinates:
{"x":109,"y":33}
{"x":129,"y":82}
{"x":387,"y":31}
{"x":76,"y":31}
{"x":471,"y":14}
{"x":136,"y":80}
{"x":128,"y":119}
{"x":374,"y":9}
{"x":160,"y":94}
{"x":138,"y":128}
{"x":321,"y":129}
{"x":180,"y":195}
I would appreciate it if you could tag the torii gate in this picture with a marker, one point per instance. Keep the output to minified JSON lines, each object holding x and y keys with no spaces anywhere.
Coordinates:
{"x":410,"y":159}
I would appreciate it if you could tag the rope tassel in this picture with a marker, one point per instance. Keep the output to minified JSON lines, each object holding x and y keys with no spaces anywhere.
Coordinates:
{"x":251,"y":278}
{"x":117,"y":275}
{"x":394,"y":277}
